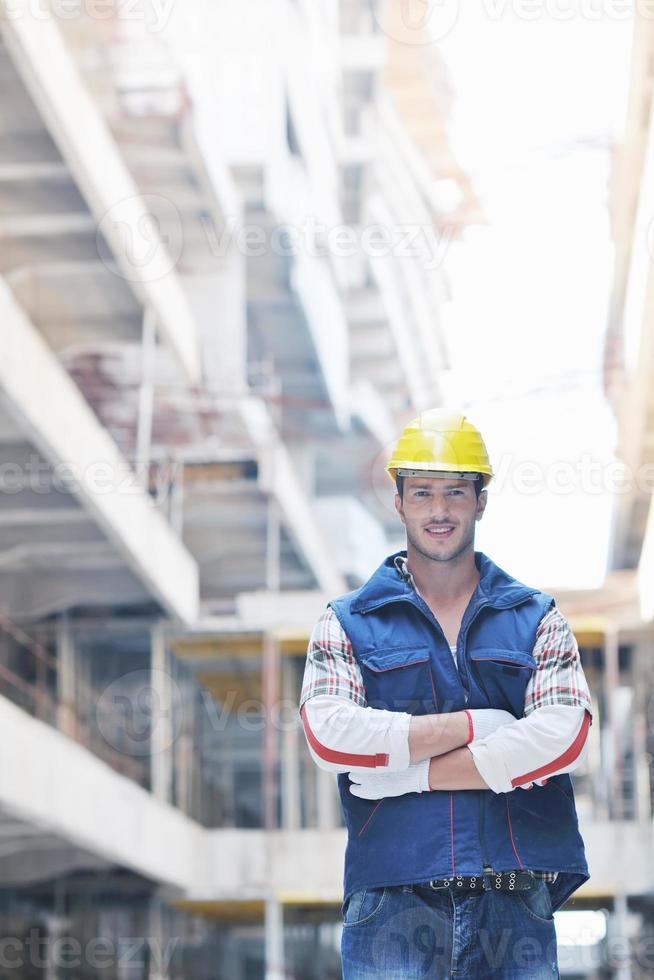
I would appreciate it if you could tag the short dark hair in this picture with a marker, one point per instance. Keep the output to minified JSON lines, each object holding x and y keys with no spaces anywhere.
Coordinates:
{"x":399,"y":483}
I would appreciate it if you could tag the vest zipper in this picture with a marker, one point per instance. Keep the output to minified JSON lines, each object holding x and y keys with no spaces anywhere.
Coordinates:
{"x":464,"y":677}
{"x":462,"y":661}
{"x":461,"y":642}
{"x":424,"y":608}
{"x":482,"y":829}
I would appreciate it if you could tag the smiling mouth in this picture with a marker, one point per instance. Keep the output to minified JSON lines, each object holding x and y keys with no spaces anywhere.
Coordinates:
{"x":440,"y":532}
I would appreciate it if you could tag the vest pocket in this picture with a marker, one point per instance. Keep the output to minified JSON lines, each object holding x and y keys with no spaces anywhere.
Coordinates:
{"x":399,"y":679}
{"x":503,"y":676}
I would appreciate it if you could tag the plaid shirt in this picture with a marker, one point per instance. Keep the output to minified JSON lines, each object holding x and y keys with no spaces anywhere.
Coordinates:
{"x":331,"y":667}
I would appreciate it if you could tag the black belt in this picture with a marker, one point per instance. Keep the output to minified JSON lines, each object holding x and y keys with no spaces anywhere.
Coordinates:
{"x":506,"y":881}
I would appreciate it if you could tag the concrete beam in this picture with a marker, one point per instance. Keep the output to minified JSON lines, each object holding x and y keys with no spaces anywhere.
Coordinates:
{"x":321,"y":303}
{"x":87,"y":555}
{"x":300,"y":519}
{"x":50,"y":409}
{"x":52,"y":782}
{"x":34,"y":593}
{"x":41,"y":516}
{"x":86,"y":143}
{"x":638,"y":343}
{"x":306,"y":864}
{"x":27,"y":171}
{"x":46,"y":225}
{"x":277,"y":476}
{"x":620,"y":857}
{"x":646,"y":570}
{"x":265,"y":611}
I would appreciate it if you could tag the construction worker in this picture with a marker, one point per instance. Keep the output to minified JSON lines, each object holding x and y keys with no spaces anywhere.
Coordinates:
{"x":451,"y":701}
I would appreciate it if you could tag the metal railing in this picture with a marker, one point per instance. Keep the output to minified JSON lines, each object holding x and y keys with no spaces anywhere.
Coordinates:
{"x":34,"y":687}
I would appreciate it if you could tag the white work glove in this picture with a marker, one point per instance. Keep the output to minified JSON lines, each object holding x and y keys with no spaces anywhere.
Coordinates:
{"x":536,"y":782}
{"x":485,"y":721}
{"x":375,"y":786}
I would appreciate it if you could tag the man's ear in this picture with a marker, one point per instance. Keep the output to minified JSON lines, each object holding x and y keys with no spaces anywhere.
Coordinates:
{"x":399,"y":507}
{"x":481,"y":505}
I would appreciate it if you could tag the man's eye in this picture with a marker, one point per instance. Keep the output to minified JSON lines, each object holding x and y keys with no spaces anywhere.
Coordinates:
{"x":456,"y":492}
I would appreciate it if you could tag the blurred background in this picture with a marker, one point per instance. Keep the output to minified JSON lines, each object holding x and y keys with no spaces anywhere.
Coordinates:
{"x":242,"y":243}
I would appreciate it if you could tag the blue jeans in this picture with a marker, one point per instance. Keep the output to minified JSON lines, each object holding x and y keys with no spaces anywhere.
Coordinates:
{"x":403,"y":932}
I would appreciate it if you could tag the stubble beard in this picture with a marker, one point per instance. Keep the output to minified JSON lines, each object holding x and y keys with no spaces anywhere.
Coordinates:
{"x":467,"y":542}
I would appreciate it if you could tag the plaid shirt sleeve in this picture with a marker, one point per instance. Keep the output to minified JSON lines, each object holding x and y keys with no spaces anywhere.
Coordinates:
{"x":331,"y":667}
{"x":559,"y":679}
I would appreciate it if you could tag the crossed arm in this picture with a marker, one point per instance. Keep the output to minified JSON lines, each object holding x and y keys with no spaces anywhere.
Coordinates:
{"x":451,"y":766}
{"x":482,"y":749}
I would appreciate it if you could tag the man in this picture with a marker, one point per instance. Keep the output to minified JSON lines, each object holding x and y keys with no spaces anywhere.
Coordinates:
{"x":451,"y":701}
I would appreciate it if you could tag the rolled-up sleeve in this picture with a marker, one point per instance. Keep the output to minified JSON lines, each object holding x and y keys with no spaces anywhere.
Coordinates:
{"x":343,"y":734}
{"x":552,"y":737}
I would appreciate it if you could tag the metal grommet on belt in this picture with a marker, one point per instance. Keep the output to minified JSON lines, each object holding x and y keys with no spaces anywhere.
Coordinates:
{"x":506,"y":881}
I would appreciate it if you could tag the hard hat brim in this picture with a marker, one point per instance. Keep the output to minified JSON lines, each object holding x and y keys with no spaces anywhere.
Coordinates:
{"x":443,"y":471}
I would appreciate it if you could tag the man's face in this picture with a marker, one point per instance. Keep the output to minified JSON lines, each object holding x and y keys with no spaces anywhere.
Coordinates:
{"x":439,"y":514}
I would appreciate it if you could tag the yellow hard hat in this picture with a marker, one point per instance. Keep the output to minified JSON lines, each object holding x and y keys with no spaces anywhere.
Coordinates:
{"x":441,"y":441}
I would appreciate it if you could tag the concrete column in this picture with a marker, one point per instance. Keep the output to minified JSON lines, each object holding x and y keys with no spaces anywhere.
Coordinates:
{"x":161,"y":945}
{"x":641,"y":767}
{"x":217,"y":297}
{"x":66,"y":674}
{"x":270,"y":689}
{"x":273,"y":546}
{"x":620,"y":933}
{"x":176,"y":511}
{"x":55,"y":929}
{"x":274,"y":940}
{"x":610,"y":681}
{"x":161,"y":757}
{"x":185,"y":762}
{"x":303,"y":455}
{"x":146,"y":399}
{"x":290,"y":753}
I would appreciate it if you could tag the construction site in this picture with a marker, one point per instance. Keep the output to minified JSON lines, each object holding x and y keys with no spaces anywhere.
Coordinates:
{"x":208,"y":348}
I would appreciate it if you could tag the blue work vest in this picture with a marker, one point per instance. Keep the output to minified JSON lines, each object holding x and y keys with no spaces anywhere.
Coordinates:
{"x":407,"y":665}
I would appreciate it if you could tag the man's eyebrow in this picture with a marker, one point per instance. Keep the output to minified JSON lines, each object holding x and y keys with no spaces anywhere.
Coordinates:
{"x":428,"y":485}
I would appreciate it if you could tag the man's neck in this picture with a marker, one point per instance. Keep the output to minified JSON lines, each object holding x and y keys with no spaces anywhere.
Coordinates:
{"x":443,"y":582}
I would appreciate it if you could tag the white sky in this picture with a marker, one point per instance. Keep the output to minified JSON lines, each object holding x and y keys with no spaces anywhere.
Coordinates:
{"x":538,"y":104}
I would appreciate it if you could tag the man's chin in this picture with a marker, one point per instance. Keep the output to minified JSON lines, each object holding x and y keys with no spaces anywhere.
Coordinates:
{"x":442,"y":554}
